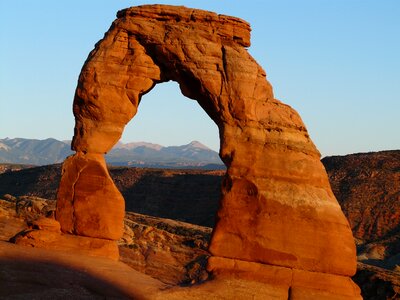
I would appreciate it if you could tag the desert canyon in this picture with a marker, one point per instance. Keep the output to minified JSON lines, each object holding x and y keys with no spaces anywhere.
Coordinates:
{"x":279,"y":231}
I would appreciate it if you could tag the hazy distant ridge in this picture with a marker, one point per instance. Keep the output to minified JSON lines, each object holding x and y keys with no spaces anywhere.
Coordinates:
{"x":145,"y":154}
{"x":31,"y":151}
{"x":50,"y":151}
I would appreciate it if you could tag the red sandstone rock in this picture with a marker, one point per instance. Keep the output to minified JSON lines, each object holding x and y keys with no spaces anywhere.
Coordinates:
{"x":10,"y":223}
{"x":88,"y":203}
{"x":277,"y":206}
{"x":46,"y":224}
{"x":50,"y":239}
{"x":297,"y":284}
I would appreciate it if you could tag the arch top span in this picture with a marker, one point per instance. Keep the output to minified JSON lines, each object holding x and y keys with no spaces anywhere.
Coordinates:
{"x":226,"y":27}
{"x":277,"y":207}
{"x":202,"y":51}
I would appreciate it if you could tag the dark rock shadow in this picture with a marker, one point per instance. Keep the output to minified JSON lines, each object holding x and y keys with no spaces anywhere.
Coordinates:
{"x":186,"y":195}
{"x":36,"y":279}
{"x":39,"y":181}
{"x":190,"y":197}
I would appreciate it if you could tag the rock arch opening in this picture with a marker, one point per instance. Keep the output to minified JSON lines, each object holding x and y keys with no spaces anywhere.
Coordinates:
{"x":167,"y":118}
{"x":184,"y":183}
{"x":277,"y":213}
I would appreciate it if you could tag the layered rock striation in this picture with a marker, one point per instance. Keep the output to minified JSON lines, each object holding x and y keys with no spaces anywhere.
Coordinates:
{"x":277,"y":210}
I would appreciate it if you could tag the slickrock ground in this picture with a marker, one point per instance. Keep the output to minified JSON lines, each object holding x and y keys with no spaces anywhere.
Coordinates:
{"x":16,"y":213}
{"x":171,"y":251}
{"x":31,"y":273}
{"x":167,"y":260}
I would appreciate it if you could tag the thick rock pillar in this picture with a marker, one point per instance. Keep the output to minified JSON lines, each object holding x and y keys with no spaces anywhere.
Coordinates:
{"x":89,"y":204}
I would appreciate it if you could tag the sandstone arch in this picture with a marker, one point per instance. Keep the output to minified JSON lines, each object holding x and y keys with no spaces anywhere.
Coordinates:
{"x":278,"y":216}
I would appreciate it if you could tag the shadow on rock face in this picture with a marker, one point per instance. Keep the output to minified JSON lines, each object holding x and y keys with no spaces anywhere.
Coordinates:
{"x":44,"y":280}
{"x":28,"y":273}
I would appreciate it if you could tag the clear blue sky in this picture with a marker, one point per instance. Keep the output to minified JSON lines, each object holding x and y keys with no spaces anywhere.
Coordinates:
{"x":337,"y":62}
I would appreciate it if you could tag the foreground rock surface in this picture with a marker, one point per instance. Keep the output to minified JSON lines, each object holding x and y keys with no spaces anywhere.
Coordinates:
{"x":173,"y":252}
{"x":35,"y":274}
{"x":181,"y":249}
{"x":46,"y":234}
{"x":30,"y":273}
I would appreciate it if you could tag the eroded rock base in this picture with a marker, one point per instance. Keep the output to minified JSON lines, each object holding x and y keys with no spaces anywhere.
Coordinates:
{"x":47,"y":235}
{"x":90,"y":210}
{"x":88,"y":202}
{"x":288,"y":283}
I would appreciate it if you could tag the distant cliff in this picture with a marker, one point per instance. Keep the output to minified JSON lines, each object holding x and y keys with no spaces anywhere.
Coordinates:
{"x":367,"y":185}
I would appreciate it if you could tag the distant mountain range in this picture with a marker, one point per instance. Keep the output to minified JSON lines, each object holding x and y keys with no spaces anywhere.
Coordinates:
{"x":34,"y":152}
{"x":143,"y":154}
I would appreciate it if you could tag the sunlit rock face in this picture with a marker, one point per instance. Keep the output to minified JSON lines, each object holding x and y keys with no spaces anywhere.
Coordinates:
{"x":89,"y":204}
{"x":277,"y":208}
